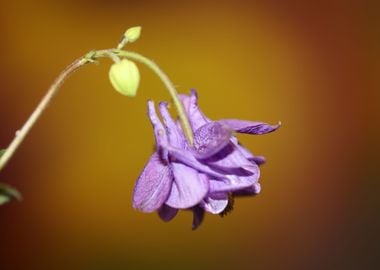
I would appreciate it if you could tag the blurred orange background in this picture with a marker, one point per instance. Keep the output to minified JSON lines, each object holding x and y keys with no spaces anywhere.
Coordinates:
{"x":310,"y":65}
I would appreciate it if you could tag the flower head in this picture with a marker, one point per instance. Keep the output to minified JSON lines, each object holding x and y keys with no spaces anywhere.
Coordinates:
{"x":203,"y":177}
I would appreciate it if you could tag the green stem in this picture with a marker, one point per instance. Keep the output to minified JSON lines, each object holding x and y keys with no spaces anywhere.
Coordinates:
{"x":53,"y":89}
{"x":88,"y":58}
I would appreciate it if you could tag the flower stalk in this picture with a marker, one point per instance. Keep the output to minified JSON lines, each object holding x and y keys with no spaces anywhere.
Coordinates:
{"x":53,"y":89}
{"x":91,"y":57}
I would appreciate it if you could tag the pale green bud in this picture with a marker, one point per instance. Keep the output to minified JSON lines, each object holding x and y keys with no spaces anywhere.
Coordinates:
{"x":133,"y":33}
{"x":125,"y":77}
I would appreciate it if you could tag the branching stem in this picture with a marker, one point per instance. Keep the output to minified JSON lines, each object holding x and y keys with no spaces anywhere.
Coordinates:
{"x":92,"y":56}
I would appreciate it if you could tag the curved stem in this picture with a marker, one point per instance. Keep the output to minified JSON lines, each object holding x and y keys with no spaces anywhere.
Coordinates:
{"x":168,"y":84}
{"x":88,"y":58}
{"x":21,"y":134}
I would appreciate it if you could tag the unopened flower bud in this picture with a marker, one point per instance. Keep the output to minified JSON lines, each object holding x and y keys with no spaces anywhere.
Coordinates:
{"x":125,"y":77}
{"x":133,"y":33}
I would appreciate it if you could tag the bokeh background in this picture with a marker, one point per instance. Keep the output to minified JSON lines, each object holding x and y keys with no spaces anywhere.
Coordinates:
{"x":312,"y":65}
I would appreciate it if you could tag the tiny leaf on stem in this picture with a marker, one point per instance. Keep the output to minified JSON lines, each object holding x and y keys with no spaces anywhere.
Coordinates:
{"x":8,"y":193}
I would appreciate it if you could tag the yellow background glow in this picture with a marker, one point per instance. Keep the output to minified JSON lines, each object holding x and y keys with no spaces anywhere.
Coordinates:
{"x":310,"y":65}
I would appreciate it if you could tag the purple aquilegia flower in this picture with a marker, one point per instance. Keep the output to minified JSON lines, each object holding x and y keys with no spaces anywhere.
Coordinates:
{"x":202,"y":177}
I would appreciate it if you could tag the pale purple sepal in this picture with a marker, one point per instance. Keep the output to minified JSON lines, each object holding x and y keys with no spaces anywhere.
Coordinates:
{"x":153,"y":186}
{"x":249,"y":127}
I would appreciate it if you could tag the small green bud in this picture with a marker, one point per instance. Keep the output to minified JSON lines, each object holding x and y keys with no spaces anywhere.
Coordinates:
{"x":125,"y":77}
{"x":133,"y":33}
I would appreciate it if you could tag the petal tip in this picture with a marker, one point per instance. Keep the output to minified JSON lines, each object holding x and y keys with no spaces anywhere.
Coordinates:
{"x":150,"y":103}
{"x":194,"y":93}
{"x":163,"y":104}
{"x":275,"y":127}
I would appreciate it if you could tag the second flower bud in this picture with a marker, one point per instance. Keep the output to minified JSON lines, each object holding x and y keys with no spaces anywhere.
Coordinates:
{"x":125,"y":77}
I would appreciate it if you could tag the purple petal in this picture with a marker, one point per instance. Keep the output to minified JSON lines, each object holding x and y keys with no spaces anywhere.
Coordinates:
{"x":167,"y":213}
{"x":233,"y":163}
{"x":198,"y":216}
{"x":238,"y":171}
{"x":153,"y":186}
{"x":188,"y":188}
{"x":210,"y":138}
{"x":233,"y":185}
{"x":186,"y":102}
{"x":159,"y":130}
{"x":190,"y":103}
{"x":214,"y":206}
{"x":175,"y":135}
{"x":221,"y":162}
{"x":186,"y":157}
{"x":250,"y":191}
{"x":249,"y":127}
{"x":259,"y":160}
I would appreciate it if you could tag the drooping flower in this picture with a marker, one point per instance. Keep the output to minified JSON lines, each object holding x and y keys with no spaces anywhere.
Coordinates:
{"x":203,"y":177}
